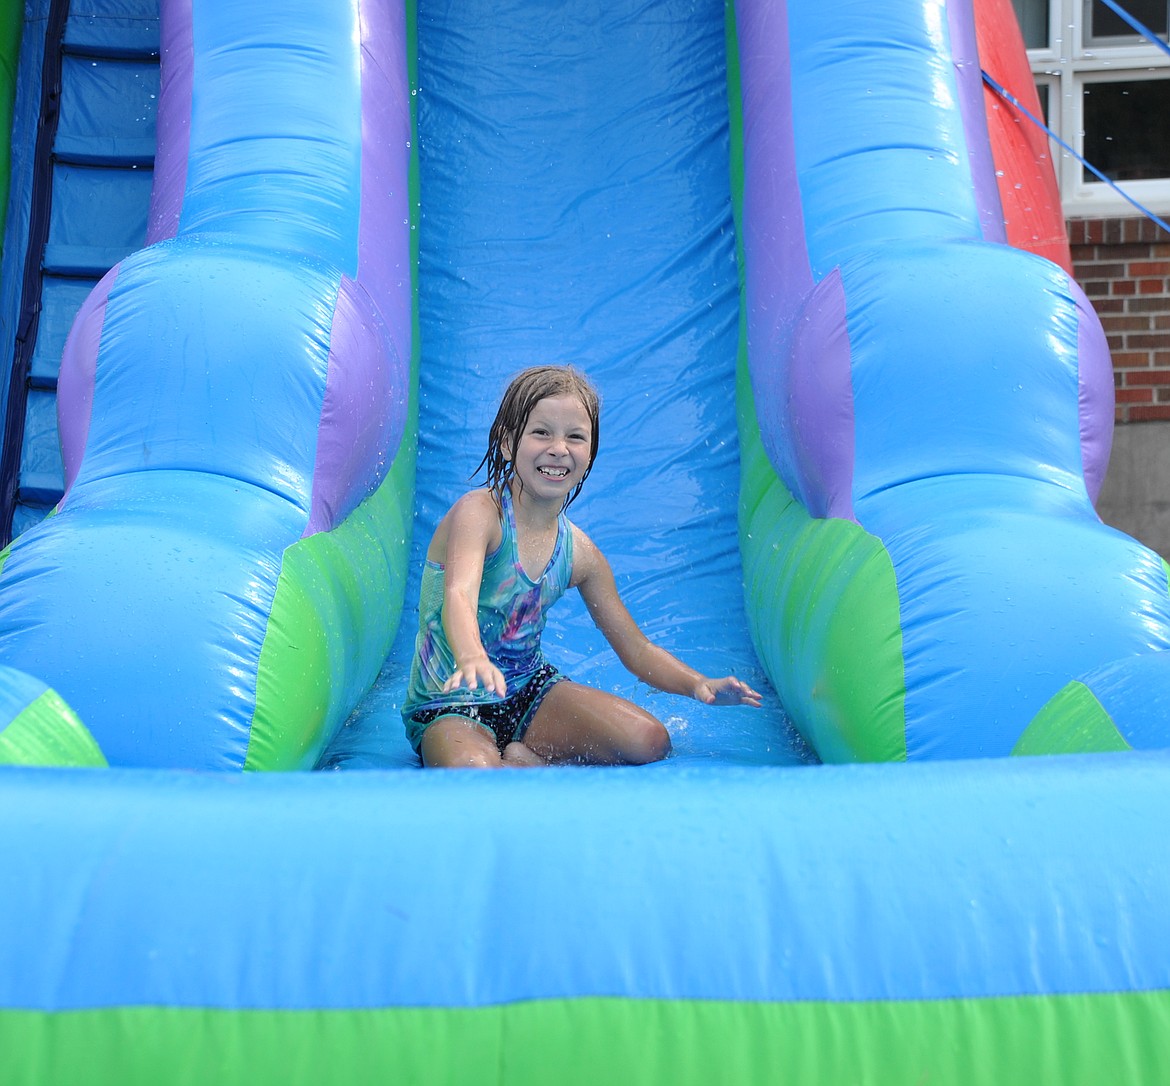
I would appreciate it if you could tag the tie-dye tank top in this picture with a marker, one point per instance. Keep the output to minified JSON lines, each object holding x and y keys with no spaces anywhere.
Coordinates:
{"x":512,"y":610}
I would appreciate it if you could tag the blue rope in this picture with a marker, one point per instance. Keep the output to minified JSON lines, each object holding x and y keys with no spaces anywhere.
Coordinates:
{"x":1140,"y":27}
{"x":1007,"y":96}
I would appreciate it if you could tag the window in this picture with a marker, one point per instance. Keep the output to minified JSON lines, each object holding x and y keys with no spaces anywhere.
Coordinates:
{"x":1106,"y":92}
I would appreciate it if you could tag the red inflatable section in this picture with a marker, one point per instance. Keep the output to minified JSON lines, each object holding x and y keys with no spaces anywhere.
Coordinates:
{"x":1027,"y":182}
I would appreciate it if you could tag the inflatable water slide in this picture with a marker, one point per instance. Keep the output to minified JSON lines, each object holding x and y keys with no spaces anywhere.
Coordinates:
{"x":855,"y":415}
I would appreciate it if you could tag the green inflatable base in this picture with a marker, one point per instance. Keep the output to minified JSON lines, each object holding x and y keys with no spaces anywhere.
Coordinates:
{"x":1011,"y":1041}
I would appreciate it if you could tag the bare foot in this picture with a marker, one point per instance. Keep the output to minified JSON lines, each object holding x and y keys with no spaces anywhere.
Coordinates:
{"x":519,"y":756}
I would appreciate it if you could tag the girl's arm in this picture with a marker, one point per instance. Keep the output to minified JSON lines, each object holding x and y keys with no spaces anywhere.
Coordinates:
{"x":472,"y":529}
{"x":649,"y":662}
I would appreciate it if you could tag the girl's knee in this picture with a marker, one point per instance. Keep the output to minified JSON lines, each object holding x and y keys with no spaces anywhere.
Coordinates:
{"x":648,"y":740}
{"x":463,"y":759}
{"x":456,"y":746}
{"x":479,"y":760}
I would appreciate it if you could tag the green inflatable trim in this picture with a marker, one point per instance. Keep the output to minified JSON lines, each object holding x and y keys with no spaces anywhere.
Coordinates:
{"x":821,"y":594}
{"x":47,"y":732}
{"x":1072,"y":721}
{"x":1006,"y":1041}
{"x":334,"y":616}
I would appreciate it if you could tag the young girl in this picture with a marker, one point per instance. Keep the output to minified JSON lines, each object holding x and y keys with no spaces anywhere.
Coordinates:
{"x":481,"y":692}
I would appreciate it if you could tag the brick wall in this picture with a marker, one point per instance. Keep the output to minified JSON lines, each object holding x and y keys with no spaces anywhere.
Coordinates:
{"x":1123,"y":265}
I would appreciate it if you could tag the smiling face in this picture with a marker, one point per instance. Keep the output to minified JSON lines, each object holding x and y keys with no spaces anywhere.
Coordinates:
{"x":553,"y":453}
{"x":524,"y":393}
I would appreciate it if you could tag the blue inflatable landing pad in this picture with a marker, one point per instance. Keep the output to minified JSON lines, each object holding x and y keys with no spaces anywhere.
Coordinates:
{"x":464,"y":889}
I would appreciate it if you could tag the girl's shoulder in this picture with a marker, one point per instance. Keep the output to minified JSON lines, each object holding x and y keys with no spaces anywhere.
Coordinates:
{"x":586,"y":555}
{"x":480,"y":503}
{"x":473,"y":519}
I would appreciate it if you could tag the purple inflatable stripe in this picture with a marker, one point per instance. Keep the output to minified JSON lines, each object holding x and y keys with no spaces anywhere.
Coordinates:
{"x":775,"y":247}
{"x":383,"y":231}
{"x":75,"y":384}
{"x":363,"y":415}
{"x":364,"y":410}
{"x":969,"y":80}
{"x":174,"y":122}
{"x":808,"y":434}
{"x":1095,"y":394}
{"x":775,"y":251}
{"x":821,"y":402}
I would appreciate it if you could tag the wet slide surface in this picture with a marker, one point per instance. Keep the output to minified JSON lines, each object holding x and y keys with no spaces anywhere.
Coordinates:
{"x":576,"y":207}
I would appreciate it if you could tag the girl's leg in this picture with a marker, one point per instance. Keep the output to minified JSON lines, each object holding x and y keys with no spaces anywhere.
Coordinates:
{"x":454,"y":741}
{"x":517,"y":754}
{"x":576,"y":723}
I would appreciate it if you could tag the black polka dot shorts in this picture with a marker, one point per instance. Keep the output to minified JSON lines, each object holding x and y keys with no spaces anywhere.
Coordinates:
{"x":507,"y":719}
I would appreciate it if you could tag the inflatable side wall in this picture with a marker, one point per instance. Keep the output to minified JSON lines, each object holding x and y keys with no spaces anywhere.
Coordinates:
{"x":221,"y":581}
{"x":934,"y":408}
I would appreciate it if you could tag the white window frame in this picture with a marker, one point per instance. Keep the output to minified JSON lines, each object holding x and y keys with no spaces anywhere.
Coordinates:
{"x":1065,"y":67}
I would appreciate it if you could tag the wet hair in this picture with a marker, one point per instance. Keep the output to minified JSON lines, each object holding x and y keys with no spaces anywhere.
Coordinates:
{"x":524,"y":392}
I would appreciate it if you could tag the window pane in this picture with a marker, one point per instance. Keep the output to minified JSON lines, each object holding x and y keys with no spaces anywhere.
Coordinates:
{"x":1104,"y":22}
{"x":1042,"y":92}
{"x":1033,"y":18}
{"x":1125,"y":129}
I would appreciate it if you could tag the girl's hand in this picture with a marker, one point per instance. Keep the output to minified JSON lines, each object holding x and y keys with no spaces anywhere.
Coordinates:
{"x":477,"y":672}
{"x":727,"y":691}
